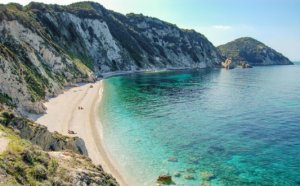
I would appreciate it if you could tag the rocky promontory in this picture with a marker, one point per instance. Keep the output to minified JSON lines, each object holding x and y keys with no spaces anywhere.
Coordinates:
{"x":249,"y":51}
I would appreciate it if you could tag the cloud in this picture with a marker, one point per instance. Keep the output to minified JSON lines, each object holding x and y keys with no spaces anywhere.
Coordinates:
{"x":222,"y":27}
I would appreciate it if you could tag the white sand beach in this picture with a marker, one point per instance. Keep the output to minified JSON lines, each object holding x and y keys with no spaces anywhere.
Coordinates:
{"x":63,"y":114}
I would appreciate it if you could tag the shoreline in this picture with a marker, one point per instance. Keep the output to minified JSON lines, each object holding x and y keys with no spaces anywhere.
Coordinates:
{"x":63,"y":114}
{"x":106,"y":75}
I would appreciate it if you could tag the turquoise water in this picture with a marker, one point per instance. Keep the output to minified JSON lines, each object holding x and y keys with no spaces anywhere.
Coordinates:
{"x":242,"y":125}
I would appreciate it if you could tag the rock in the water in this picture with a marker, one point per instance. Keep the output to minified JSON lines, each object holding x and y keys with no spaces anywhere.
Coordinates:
{"x":177,"y":174}
{"x":172,"y":159}
{"x":206,"y":175}
{"x":248,"y":66}
{"x":193,"y":160}
{"x":205,"y":183}
{"x":245,"y":65}
{"x":164,"y":179}
{"x":190,"y":170}
{"x":189,"y":177}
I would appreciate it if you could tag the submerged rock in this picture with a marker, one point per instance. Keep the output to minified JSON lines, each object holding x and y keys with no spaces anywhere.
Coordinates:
{"x":177,"y":174}
{"x":205,"y":175}
{"x":205,"y":183}
{"x":245,"y":65}
{"x":190,"y":170}
{"x":193,"y":160}
{"x":172,"y":159}
{"x":189,"y":177}
{"x":164,"y":179}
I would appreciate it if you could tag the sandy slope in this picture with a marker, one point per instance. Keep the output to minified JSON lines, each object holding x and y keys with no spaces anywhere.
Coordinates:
{"x":63,"y":114}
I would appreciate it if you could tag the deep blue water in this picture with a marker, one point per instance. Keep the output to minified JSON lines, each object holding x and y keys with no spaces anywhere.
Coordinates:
{"x":242,"y":126}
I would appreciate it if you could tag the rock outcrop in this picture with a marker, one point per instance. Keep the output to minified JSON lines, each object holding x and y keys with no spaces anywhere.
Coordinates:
{"x":164,"y":179}
{"x":248,"y":51}
{"x":22,"y":163}
{"x":39,"y":135}
{"x":46,"y":47}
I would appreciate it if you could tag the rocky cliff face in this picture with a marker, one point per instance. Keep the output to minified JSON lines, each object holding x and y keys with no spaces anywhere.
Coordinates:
{"x":250,"y":51}
{"x":45,"y":47}
{"x":32,"y":67}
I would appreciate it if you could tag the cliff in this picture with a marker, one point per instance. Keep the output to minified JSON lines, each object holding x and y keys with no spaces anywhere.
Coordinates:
{"x":44,"y":158}
{"x":250,"y":51}
{"x":46,"y":47}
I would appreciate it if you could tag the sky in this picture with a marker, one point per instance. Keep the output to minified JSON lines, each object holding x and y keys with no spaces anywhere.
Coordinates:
{"x":273,"y":22}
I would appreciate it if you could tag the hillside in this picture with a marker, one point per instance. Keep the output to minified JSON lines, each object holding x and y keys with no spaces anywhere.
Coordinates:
{"x":250,"y":51}
{"x":46,"y":47}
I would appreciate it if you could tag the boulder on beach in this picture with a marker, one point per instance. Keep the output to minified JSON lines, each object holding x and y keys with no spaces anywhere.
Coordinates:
{"x":164,"y":179}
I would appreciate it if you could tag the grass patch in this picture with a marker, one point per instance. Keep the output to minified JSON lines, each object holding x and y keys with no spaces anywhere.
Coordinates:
{"x":81,"y":67}
{"x":81,"y":6}
{"x":24,"y":163}
{"x":35,"y":86}
{"x":7,"y":100}
{"x":83,"y":59}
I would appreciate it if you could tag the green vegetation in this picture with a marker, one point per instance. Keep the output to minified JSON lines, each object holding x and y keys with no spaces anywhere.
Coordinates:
{"x":36,"y":84}
{"x":24,"y":163}
{"x":83,"y":9}
{"x":20,"y":13}
{"x":253,"y":52}
{"x":156,"y":23}
{"x":126,"y":37}
{"x":81,"y":67}
{"x":82,"y":62}
{"x":5,"y":99}
{"x":53,"y":166}
{"x":81,"y":5}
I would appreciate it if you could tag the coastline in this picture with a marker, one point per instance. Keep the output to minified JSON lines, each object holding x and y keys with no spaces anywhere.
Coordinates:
{"x":63,"y":114}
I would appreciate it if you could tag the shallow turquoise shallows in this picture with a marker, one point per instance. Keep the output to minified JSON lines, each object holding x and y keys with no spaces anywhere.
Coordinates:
{"x":217,"y":127}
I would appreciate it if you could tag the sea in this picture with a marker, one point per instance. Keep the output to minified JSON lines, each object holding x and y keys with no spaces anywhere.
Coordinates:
{"x":205,"y":127}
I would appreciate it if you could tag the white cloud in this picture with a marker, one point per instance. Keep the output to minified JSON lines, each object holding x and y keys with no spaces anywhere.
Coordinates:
{"x":222,"y":27}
